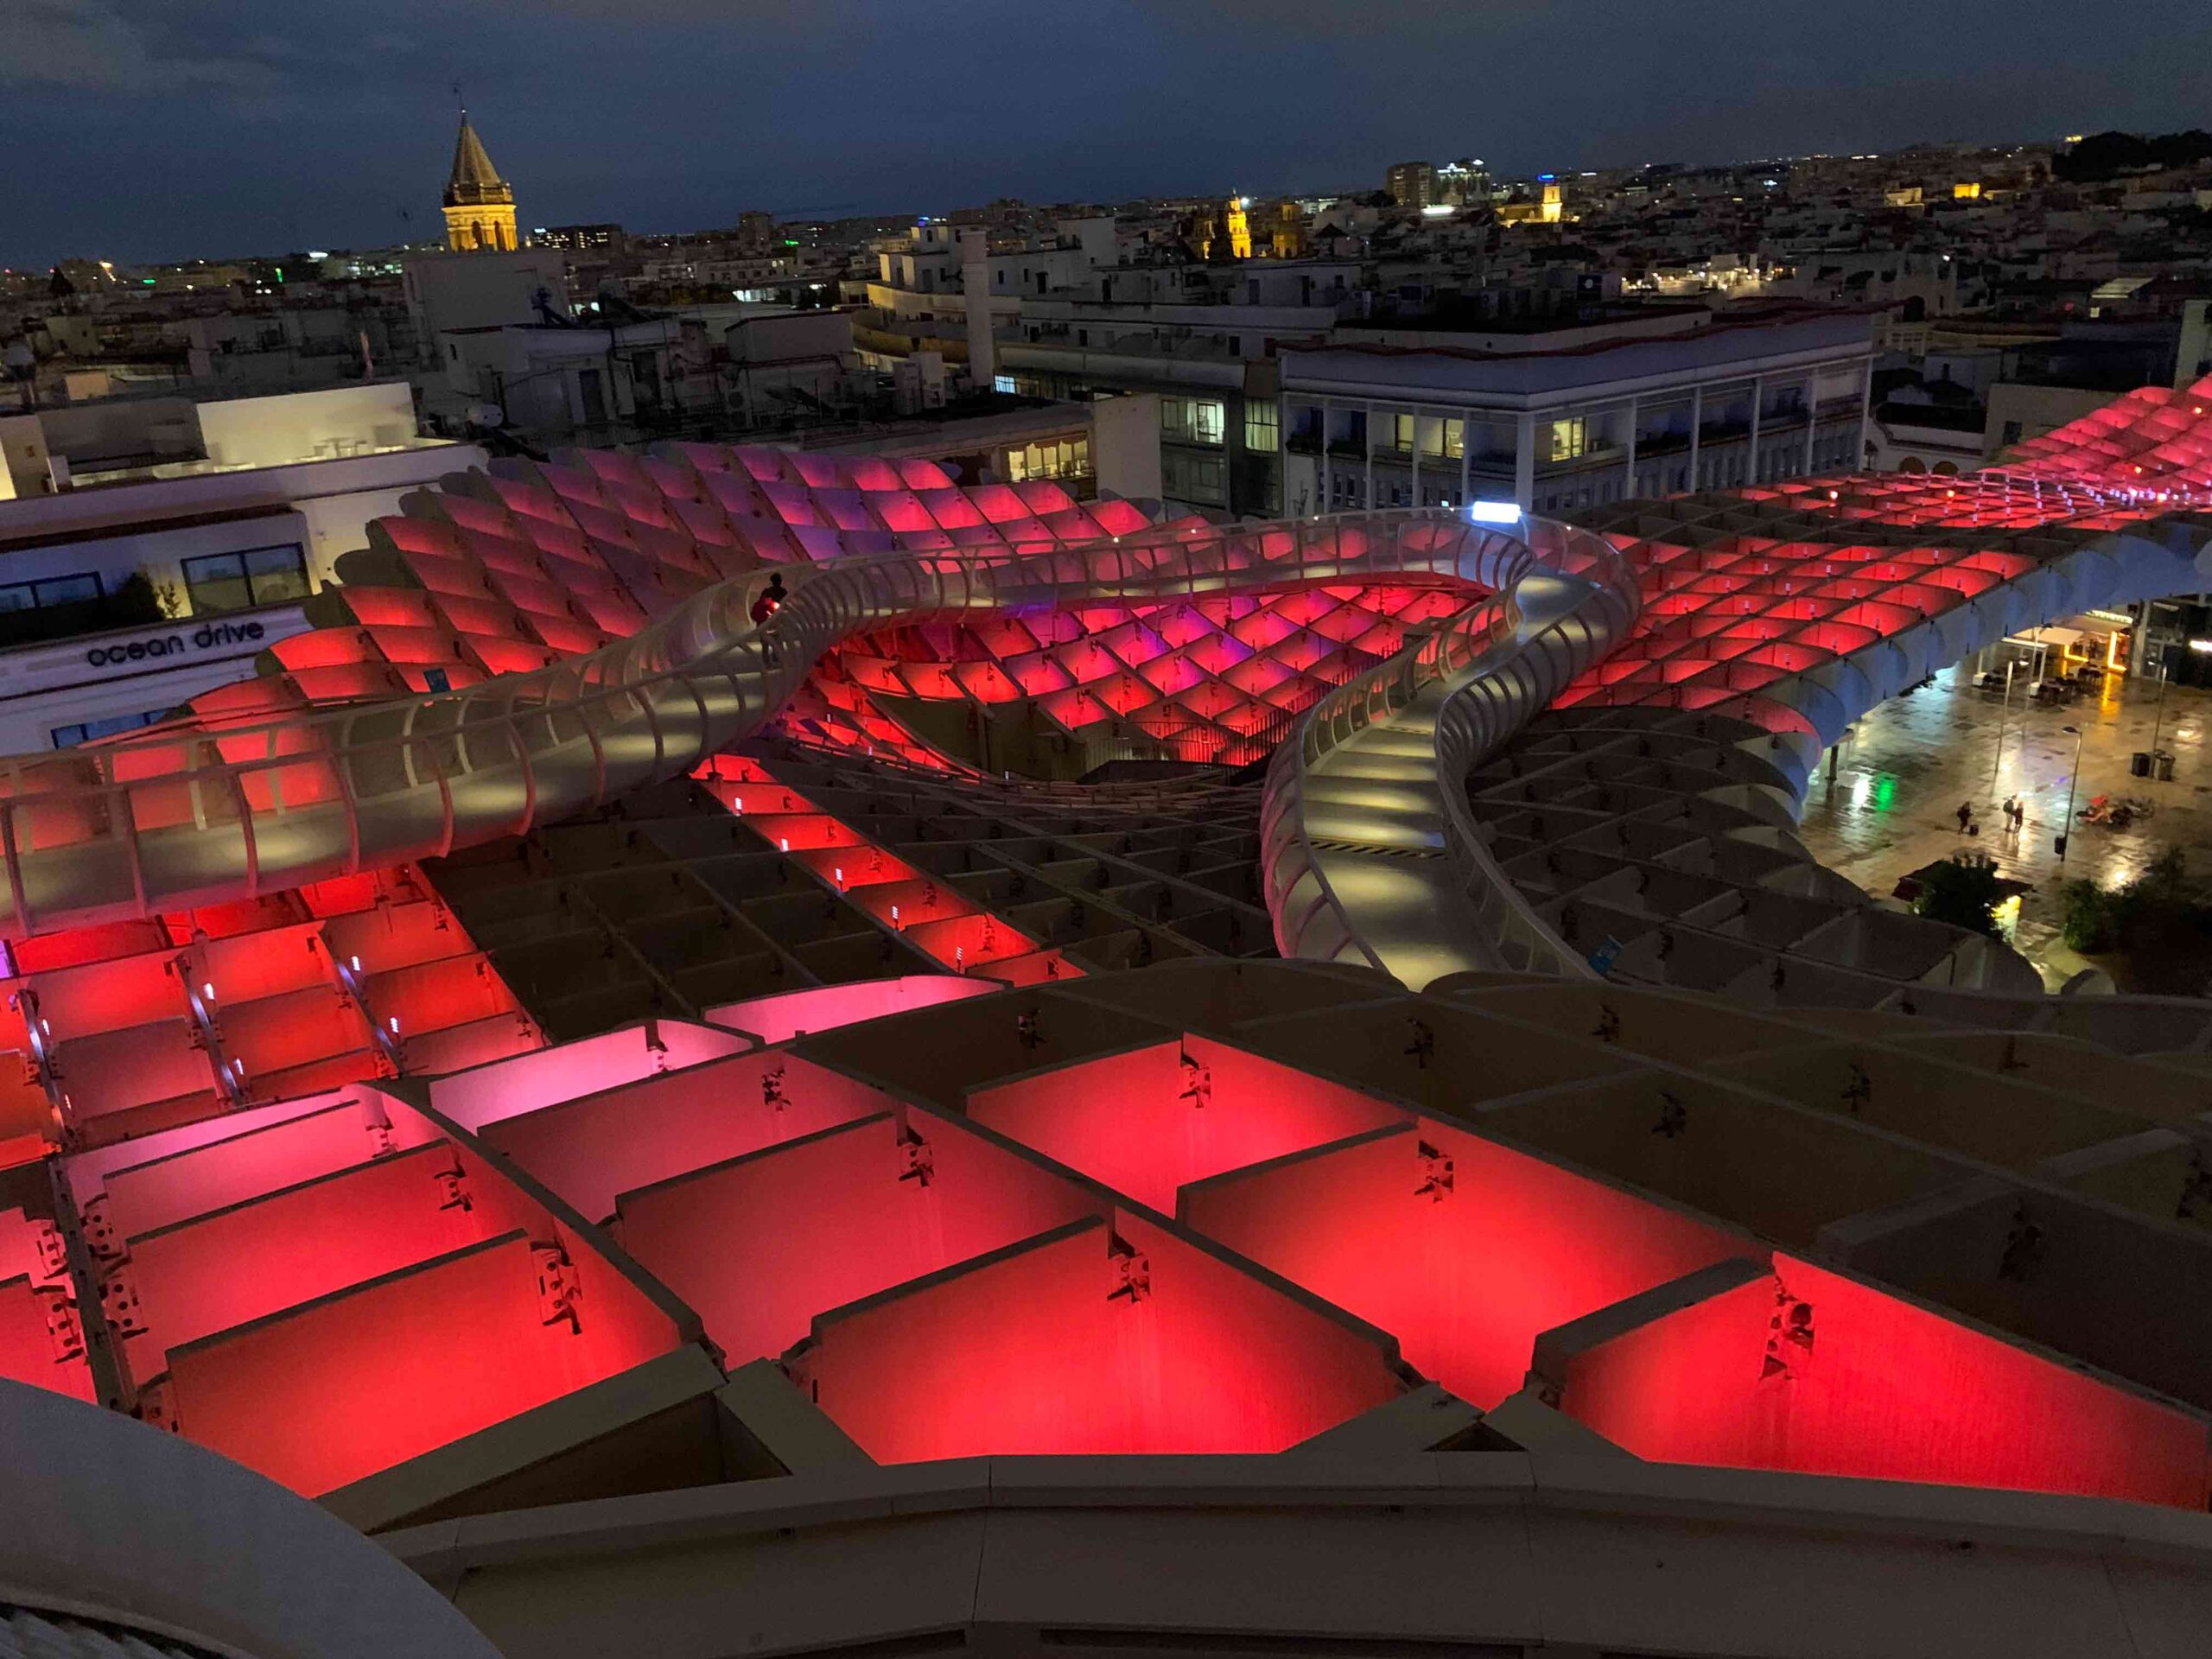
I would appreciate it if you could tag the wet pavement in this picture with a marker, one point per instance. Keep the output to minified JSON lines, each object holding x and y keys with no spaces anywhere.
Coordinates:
{"x":1901,"y":776}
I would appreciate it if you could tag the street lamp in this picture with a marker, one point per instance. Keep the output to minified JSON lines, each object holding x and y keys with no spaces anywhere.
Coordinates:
{"x":2158,"y":719}
{"x":2003,"y":714}
{"x":2067,"y":824}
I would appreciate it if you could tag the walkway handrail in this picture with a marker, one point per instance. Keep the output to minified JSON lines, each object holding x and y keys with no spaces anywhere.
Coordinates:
{"x":182,"y":816}
{"x":1509,"y":679}
{"x":1481,"y":716}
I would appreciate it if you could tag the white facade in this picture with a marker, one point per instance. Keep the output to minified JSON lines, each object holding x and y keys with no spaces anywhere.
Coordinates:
{"x":479,"y":290}
{"x":1425,"y":424}
{"x":229,"y":543}
{"x":70,"y":691}
{"x":919,"y":298}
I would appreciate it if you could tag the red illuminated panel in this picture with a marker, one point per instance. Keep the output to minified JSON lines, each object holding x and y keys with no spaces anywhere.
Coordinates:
{"x":273,"y":1043}
{"x":394,"y":936}
{"x":32,"y":1349}
{"x":760,"y":1245}
{"x":190,"y":1279}
{"x":1864,"y":1383}
{"x":477,"y":1043}
{"x":105,"y":995}
{"x":122,"y":1082}
{"x":338,"y":1389}
{"x":1091,"y":1339}
{"x":47,"y":952}
{"x":29,"y":1126}
{"x":428,"y":996}
{"x":1463,"y":1250}
{"x":1144,"y":1122}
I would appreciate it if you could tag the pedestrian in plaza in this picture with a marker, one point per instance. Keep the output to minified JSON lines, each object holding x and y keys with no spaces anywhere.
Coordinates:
{"x":1966,"y":815}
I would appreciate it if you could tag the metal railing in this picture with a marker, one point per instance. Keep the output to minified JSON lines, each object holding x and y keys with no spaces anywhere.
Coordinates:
{"x":183,"y":817}
{"x":1513,"y":657}
{"x":1480,"y":717}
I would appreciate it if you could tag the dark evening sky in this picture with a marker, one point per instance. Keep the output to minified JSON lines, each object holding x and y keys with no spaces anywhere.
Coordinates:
{"x":140,"y":129}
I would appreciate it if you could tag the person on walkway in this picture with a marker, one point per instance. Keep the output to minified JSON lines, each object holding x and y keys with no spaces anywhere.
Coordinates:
{"x":769,"y":600}
{"x":1966,"y":815}
{"x":765,"y":604}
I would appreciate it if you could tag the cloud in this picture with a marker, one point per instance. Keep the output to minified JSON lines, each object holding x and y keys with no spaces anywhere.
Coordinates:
{"x":91,"y":45}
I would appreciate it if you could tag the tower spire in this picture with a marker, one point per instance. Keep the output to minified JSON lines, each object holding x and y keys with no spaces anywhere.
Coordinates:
{"x":480,"y":205}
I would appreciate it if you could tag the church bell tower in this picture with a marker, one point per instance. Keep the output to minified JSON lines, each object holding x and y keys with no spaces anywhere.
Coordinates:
{"x":480,"y":205}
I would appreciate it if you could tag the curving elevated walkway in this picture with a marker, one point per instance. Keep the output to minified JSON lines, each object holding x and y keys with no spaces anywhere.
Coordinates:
{"x":1369,"y":852}
{"x":221,"y":810}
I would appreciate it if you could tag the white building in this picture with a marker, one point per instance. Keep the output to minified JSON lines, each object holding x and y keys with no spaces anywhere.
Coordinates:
{"x":608,"y":380}
{"x":135,"y":589}
{"x":1206,"y":340}
{"x":919,"y":300}
{"x":1571,"y":418}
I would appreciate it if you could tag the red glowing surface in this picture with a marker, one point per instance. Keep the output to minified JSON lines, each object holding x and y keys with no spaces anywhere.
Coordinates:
{"x":156,"y":1023}
{"x":1144,"y":1123}
{"x":397,"y":1281}
{"x":1885,"y":1389}
{"x":1032,"y":1351}
{"x":995,"y":1307}
{"x":940,"y":920}
{"x":1465,"y":1275}
{"x":329,"y":1391}
{"x":762,"y":1245}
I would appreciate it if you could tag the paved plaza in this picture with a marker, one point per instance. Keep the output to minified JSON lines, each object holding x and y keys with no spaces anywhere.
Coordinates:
{"x":1900,"y":777}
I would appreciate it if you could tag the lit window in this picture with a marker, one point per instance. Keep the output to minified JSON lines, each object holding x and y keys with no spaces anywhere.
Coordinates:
{"x":1262,"y":431}
{"x":1566,"y":441}
{"x":1191,"y":420}
{"x":1053,"y":458}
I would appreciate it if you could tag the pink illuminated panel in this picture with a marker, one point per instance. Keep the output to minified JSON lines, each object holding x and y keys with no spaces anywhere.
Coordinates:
{"x":777,"y":1019}
{"x":590,"y":1149}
